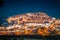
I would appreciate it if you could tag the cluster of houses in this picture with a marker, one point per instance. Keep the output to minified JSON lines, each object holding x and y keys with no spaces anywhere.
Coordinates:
{"x":31,"y":23}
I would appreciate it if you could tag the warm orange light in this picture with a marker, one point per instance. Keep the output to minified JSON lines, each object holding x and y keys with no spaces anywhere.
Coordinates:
{"x":22,"y":20}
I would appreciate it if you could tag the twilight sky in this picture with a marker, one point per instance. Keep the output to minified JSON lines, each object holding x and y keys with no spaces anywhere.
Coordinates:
{"x":14,"y":7}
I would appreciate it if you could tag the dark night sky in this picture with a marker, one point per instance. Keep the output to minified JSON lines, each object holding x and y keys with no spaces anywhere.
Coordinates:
{"x":13,"y":7}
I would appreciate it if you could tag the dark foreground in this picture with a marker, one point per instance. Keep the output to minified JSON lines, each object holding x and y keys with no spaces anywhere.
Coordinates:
{"x":29,"y":37}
